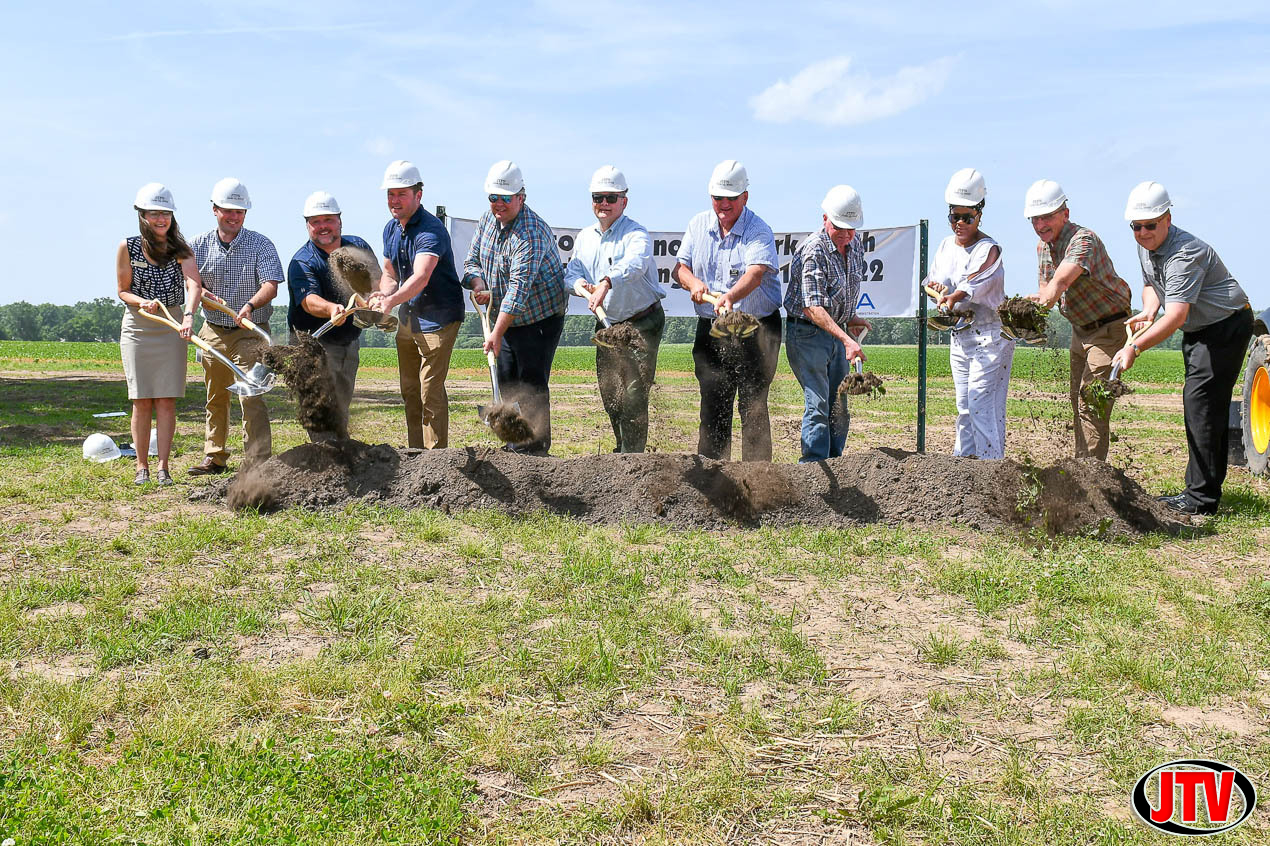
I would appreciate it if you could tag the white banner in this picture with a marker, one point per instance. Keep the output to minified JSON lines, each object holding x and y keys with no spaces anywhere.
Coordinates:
{"x":889,"y":289}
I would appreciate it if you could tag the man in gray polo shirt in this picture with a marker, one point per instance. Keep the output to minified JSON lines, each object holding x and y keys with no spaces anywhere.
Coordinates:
{"x":1187,"y":277}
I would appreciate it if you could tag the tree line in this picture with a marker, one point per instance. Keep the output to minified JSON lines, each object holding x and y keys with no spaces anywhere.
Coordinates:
{"x":99,"y":320}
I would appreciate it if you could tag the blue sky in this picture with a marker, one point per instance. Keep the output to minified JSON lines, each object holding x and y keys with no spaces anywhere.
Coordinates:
{"x":888,"y":97}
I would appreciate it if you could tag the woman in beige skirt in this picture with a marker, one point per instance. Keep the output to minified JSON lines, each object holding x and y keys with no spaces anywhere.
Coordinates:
{"x":155,"y":267}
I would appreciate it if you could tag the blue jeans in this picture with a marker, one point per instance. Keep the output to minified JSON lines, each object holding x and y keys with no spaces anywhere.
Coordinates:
{"x":820,"y":364}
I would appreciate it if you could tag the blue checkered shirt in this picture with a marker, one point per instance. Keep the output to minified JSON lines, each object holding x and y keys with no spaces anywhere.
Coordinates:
{"x":236,"y":274}
{"x":521,"y":267}
{"x":819,"y":275}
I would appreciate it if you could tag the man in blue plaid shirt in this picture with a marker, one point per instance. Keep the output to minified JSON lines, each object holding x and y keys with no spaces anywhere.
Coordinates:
{"x":820,"y":302}
{"x":514,"y":267}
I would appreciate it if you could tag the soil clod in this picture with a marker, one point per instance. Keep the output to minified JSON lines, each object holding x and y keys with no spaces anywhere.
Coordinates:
{"x":1023,"y":315}
{"x":735,"y":323}
{"x":508,"y":424}
{"x":859,"y":384}
{"x":355,"y":269}
{"x":621,"y":336}
{"x":1101,"y":393}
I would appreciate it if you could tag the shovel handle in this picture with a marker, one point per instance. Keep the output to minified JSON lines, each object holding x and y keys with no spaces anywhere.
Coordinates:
{"x":194,"y":339}
{"x":582,"y":292}
{"x":489,"y":354}
{"x":713,"y":299}
{"x":208,"y":302}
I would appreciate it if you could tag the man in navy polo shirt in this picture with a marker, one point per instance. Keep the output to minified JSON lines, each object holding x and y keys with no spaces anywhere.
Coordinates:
{"x":420,"y":276}
{"x":315,"y":298}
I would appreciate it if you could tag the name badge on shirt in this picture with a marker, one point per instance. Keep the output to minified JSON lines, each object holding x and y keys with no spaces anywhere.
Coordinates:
{"x":136,"y":263}
{"x":734,"y":273}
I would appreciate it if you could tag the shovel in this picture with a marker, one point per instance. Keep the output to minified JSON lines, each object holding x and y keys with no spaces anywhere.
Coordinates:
{"x":1133,"y":336}
{"x":600,"y":314}
{"x":259,"y":381}
{"x":943,"y":321}
{"x":483,"y":411}
{"x":742,"y":326}
{"x":259,"y":373}
{"x":363,"y":317}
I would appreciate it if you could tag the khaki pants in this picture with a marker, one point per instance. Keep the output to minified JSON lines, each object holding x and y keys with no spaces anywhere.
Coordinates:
{"x":243,"y":347}
{"x":424,"y":362}
{"x":1091,"y":360}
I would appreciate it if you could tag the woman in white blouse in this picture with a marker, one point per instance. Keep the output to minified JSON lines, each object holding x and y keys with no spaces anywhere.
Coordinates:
{"x":968,"y":273}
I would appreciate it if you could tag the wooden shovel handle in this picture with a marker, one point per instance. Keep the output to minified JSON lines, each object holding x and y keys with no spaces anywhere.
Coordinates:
{"x":208,"y":302}
{"x":166,"y":320}
{"x":713,"y":299}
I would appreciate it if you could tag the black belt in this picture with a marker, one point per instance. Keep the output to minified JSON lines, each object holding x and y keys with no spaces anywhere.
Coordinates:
{"x":793,"y":319}
{"x":1098,"y":324}
{"x":648,"y":312}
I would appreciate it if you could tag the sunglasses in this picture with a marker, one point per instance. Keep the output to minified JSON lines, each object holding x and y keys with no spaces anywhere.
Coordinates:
{"x":1150,"y":227}
{"x":965,"y":217}
{"x":501,"y":198}
{"x":605,"y":198}
{"x":719,"y":199}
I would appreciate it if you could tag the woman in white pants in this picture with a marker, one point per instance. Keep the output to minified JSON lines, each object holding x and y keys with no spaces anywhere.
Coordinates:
{"x":967,"y":270}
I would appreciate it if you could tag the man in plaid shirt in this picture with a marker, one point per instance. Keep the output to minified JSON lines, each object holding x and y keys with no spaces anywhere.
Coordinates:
{"x":824,"y":289}
{"x":242,"y":268}
{"x":514,"y":267}
{"x":1076,"y":272}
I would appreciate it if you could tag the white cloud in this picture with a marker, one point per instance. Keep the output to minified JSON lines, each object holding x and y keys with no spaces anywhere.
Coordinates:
{"x":829,"y":93}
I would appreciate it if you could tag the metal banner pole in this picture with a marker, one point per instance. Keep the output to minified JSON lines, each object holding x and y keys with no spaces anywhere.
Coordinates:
{"x":441,"y":213}
{"x":924,"y":229}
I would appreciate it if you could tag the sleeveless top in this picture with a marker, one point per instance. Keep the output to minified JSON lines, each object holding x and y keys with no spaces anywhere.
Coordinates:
{"x":165,"y":283}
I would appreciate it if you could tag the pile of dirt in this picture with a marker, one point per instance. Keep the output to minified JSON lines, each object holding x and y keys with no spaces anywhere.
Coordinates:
{"x":1074,"y":496}
{"x":304,"y":367}
{"x":621,"y":336}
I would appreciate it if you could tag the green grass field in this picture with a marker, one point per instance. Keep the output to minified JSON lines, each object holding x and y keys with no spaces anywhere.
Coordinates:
{"x":171,"y":672}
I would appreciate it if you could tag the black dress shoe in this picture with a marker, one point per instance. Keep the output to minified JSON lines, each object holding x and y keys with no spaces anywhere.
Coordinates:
{"x":208,"y":468}
{"x":1181,"y":503}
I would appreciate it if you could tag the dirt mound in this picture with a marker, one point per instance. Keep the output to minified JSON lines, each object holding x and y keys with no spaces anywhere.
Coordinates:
{"x":1075,"y":496}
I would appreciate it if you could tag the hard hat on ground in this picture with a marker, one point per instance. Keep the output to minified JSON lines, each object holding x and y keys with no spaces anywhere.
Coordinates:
{"x":229,"y":193}
{"x":100,"y":448}
{"x":401,"y":174}
{"x":608,"y":178}
{"x":842,"y":205}
{"x":1147,"y":201}
{"x":966,"y":188}
{"x":154,"y":196}
{"x":1043,"y":197}
{"x":504,"y":178}
{"x":320,"y":202}
{"x":729,"y":179}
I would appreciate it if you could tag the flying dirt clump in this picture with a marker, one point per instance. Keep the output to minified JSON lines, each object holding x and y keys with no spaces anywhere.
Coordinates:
{"x":1101,"y":393}
{"x":1076,"y":496}
{"x":304,"y":367}
{"x":736,"y":323}
{"x":622,"y":336}
{"x":356,"y":270}
{"x":1024,"y":315}
{"x":508,"y":424}
{"x":859,"y":384}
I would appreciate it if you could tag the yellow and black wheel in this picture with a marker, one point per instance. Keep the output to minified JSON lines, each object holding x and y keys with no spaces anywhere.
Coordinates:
{"x":1256,"y":411}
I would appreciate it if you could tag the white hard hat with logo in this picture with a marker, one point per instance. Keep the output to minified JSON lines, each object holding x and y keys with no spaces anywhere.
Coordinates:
{"x":320,"y":202}
{"x":729,"y":179}
{"x":966,"y":188}
{"x":1043,"y":197}
{"x":230,"y":193}
{"x":843,"y":206}
{"x":504,"y":178}
{"x":401,"y":174}
{"x":1147,"y":201}
{"x":100,"y":448}
{"x":608,"y":178}
{"x":154,"y":196}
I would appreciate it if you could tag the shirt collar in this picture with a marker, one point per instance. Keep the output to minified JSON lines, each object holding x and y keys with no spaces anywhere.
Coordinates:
{"x":738,"y":229}
{"x":416,"y":218}
{"x":1059,"y":245}
{"x":615,"y":228}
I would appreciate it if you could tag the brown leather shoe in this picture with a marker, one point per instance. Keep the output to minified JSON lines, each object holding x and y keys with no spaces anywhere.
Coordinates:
{"x":207,"y":468}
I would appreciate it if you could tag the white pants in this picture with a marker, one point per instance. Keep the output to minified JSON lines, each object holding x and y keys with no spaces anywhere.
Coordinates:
{"x":980,"y":359}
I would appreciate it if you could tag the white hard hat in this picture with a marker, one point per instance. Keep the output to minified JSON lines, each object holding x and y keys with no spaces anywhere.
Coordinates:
{"x":154,"y":196}
{"x":844,"y":208}
{"x":320,"y":202}
{"x":401,"y":174}
{"x":608,"y":178}
{"x":1043,"y":197}
{"x":966,"y":188}
{"x":1147,"y":201}
{"x":100,"y":448}
{"x":229,"y":193}
{"x":729,"y":179}
{"x":504,"y":178}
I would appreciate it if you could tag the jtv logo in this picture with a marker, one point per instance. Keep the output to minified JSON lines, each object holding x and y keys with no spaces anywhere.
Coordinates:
{"x":1208,"y":782}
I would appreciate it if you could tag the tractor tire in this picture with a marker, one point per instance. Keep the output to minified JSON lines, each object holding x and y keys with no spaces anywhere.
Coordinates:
{"x":1256,"y":409}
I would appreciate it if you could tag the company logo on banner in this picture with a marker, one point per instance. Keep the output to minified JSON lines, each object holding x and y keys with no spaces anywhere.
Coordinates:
{"x":890,"y":257}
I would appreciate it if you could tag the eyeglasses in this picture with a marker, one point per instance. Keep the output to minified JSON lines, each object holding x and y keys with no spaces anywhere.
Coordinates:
{"x":965,"y":217}
{"x":1150,"y":227}
{"x":605,"y":198}
{"x":719,"y":199}
{"x":501,"y":198}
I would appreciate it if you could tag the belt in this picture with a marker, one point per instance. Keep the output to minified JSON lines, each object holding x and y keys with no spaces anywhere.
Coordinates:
{"x":803,"y":320}
{"x":1098,"y":324}
{"x":640,"y":315}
